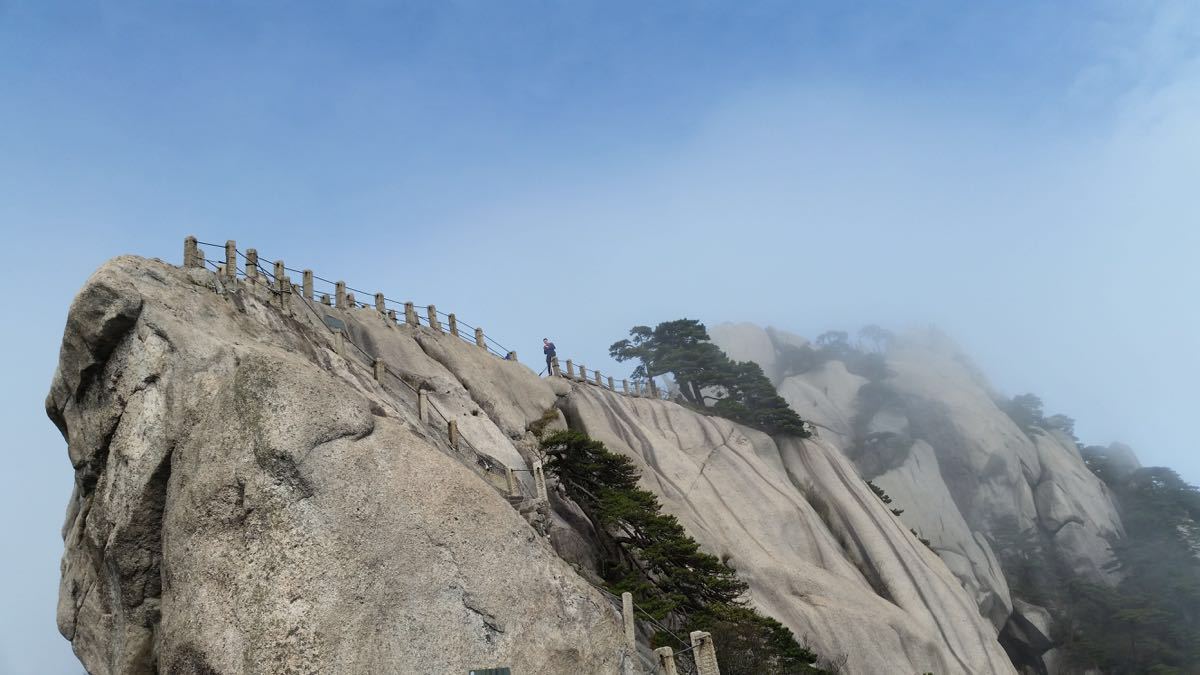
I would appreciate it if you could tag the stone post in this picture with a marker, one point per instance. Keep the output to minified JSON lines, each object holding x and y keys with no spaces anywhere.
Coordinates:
{"x":308,"y":285}
{"x":554,"y":369}
{"x":611,"y":386}
{"x":351,"y":301}
{"x":325,"y":299}
{"x":285,"y":295}
{"x":511,"y":356}
{"x":431,"y":311}
{"x":627,"y":620}
{"x":339,"y":344}
{"x":653,"y":389}
{"x":479,"y":341}
{"x":340,"y":295}
{"x":570,"y":370}
{"x":453,"y":320}
{"x":279,"y":275}
{"x":391,"y":315}
{"x":583,"y":373}
{"x":380,"y":369}
{"x":423,"y":406}
{"x":380,"y":304}
{"x":452,"y":431}
{"x":625,"y":387}
{"x":598,"y":382}
{"x":539,"y":481}
{"x":252,"y":265}
{"x":191,"y":253}
{"x":666,"y":661}
{"x":705,"y":652}
{"x":513,"y":489}
{"x":410,"y":315}
{"x":231,"y":260}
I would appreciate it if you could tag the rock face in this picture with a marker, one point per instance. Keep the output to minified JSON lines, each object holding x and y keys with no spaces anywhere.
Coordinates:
{"x":818,"y":549}
{"x":249,"y":501}
{"x":931,"y":435}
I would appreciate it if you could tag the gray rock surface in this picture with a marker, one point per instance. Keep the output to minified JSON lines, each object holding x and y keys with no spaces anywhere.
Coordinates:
{"x":933,"y":437}
{"x":818,"y":549}
{"x":248,"y":501}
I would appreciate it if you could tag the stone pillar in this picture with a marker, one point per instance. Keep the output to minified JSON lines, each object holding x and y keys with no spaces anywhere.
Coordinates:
{"x":339,"y":344}
{"x":598,"y":382}
{"x":582,"y":373}
{"x":452,"y":431}
{"x":705,"y":653}
{"x":380,"y":369}
{"x":410,"y":315}
{"x":513,"y":489}
{"x":570,"y":370}
{"x":308,"y":285}
{"x":231,"y":260}
{"x":653,"y":389}
{"x":191,"y":253}
{"x":285,"y":295}
{"x":391,"y":315}
{"x":279,"y":275}
{"x":554,"y":369}
{"x":340,"y":295}
{"x":611,"y":386}
{"x":627,"y":620}
{"x":666,"y":661}
{"x":539,"y":481}
{"x":453,"y":320}
{"x":479,"y":341}
{"x":380,"y":304}
{"x":252,"y":265}
{"x":431,"y":312}
{"x":325,"y":299}
{"x":625,"y":387}
{"x":351,"y":301}
{"x":423,"y":405}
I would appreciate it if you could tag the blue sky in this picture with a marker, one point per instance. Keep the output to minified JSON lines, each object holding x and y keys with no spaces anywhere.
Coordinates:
{"x":1020,"y":174}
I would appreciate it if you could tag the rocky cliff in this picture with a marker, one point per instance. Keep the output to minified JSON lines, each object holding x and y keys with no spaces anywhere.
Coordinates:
{"x":930,"y":433}
{"x":249,"y":498}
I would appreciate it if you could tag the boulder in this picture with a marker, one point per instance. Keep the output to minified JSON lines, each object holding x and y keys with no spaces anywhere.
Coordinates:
{"x":249,"y":501}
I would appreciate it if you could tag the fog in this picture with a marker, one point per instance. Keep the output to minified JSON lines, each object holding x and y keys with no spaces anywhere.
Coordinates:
{"x":1022,"y":178}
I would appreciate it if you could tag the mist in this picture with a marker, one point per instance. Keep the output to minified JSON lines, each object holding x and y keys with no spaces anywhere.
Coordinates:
{"x":1018,"y":176}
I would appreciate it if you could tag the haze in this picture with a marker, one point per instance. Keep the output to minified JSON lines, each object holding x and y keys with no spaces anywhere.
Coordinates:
{"x":1021,"y":176}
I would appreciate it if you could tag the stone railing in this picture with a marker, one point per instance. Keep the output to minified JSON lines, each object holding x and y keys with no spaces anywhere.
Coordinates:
{"x":578,"y":372}
{"x":234,"y":264}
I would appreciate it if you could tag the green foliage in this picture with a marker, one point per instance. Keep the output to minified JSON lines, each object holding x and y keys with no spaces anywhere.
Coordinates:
{"x":880,"y":338}
{"x":1026,"y":411}
{"x":1149,"y":622}
{"x":650,"y":555}
{"x":739,"y":389}
{"x":1061,"y":423}
{"x":883,"y":496}
{"x":681,"y":348}
{"x":835,"y":345}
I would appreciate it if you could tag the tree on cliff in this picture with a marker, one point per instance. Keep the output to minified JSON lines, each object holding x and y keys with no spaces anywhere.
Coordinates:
{"x":738,"y":389}
{"x":681,"y":348}
{"x":649,"y":554}
{"x":1149,"y":622}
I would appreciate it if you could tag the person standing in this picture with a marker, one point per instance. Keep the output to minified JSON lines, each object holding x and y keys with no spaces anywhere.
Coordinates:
{"x":548,"y":350}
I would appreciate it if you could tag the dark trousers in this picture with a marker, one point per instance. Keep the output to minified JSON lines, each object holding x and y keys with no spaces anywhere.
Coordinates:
{"x":549,"y":368}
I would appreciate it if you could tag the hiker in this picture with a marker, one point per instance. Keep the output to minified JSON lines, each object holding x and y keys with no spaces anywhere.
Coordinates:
{"x":548,"y":350}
